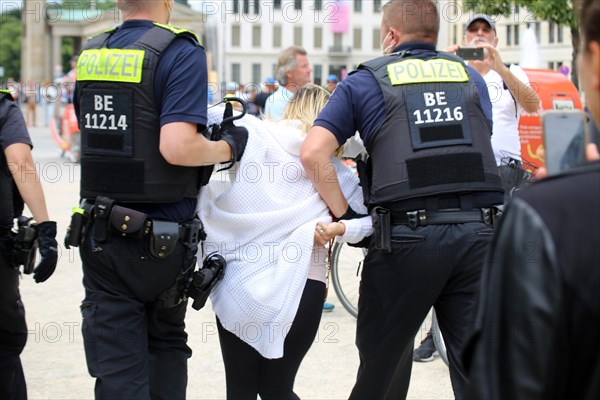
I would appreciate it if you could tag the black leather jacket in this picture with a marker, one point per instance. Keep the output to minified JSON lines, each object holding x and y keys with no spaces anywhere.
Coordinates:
{"x":538,"y":322}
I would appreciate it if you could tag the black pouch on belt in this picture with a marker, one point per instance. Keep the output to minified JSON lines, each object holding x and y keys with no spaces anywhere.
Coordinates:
{"x":163,"y":238}
{"x":128,"y":223}
{"x":383,"y":230}
{"x":102,"y":209}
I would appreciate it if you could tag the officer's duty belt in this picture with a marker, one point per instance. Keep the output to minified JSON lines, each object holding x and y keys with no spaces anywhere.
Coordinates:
{"x":115,"y":220}
{"x":424,"y":218}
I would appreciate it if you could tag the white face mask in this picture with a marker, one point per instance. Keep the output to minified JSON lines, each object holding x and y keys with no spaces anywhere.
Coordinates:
{"x":390,"y":46}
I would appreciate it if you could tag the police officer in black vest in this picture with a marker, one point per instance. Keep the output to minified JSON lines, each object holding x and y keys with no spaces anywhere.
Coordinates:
{"x":19,"y":184}
{"x":430,"y":183}
{"x":141,"y":98}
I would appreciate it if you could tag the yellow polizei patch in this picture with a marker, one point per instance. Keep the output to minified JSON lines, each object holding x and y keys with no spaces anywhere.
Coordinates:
{"x":420,"y":71}
{"x":115,"y":65}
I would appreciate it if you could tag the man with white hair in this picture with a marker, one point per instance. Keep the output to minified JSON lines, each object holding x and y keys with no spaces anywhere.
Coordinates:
{"x":293,"y":71}
{"x":507,"y":83}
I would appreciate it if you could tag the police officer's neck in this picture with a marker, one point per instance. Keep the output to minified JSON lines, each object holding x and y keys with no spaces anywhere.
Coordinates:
{"x":162,"y":16}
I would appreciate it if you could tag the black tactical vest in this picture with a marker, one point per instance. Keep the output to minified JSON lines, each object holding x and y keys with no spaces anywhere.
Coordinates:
{"x":11,"y":203}
{"x":435,"y":138}
{"x":119,"y":122}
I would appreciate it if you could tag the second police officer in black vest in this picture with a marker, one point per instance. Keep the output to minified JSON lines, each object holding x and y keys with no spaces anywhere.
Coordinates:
{"x":19,"y":185}
{"x":141,"y":100}
{"x":430,"y":183}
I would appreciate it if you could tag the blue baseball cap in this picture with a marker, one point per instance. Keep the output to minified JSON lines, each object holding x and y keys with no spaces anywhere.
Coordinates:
{"x":270,"y":80}
{"x":332,"y":78}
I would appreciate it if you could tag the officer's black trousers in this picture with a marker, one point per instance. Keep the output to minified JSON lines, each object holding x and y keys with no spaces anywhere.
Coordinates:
{"x":13,"y":332}
{"x":435,"y":265}
{"x":134,"y":350}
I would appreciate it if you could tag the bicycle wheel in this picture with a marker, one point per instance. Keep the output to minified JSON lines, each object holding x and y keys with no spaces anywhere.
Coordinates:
{"x":345,"y":265}
{"x":438,"y":340}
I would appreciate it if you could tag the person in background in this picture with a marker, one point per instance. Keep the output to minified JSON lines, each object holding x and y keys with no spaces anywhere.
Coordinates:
{"x":331,"y":83}
{"x":539,"y":304}
{"x":508,"y":85}
{"x":31,"y":100}
{"x":19,"y":185}
{"x":292,"y":72}
{"x":268,"y":87}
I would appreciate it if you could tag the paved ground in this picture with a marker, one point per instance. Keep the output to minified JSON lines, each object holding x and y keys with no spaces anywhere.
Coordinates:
{"x":54,"y":360}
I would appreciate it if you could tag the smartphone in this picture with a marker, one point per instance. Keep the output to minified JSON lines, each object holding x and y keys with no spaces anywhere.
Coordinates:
{"x":470,"y":53}
{"x":565,"y":138}
{"x":562,"y":101}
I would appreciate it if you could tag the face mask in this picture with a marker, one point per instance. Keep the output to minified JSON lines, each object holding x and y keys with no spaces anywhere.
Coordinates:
{"x":391,"y":45}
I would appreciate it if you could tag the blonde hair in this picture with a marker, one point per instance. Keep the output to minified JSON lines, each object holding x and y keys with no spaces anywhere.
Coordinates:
{"x":306,"y":105}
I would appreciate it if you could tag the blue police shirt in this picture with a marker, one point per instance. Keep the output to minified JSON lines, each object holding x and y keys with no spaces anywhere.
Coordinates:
{"x":360,"y":97}
{"x":12,"y":126}
{"x":180,"y":95}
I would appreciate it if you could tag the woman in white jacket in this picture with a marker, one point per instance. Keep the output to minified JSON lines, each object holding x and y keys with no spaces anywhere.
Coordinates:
{"x":269,"y":303}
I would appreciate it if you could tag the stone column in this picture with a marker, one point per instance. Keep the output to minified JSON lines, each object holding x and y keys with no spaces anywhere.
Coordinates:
{"x":34,"y":44}
{"x":56,"y":56}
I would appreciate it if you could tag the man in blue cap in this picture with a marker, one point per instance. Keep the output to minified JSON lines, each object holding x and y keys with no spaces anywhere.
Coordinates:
{"x":268,"y":88}
{"x":331,"y":83}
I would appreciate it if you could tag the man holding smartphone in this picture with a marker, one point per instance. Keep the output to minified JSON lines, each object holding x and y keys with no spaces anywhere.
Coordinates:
{"x":508,"y":86}
{"x":540,"y":286}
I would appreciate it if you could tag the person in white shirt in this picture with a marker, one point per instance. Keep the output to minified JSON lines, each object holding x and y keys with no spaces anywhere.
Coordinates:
{"x":265,"y":224}
{"x":508,"y":86}
{"x":292,"y":71}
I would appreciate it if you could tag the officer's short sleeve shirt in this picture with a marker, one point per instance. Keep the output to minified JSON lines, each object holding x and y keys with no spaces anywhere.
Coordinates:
{"x":12,"y":126}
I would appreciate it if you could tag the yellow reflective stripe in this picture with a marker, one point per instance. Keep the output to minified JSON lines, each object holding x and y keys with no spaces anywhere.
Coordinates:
{"x":115,"y":65}
{"x":421,"y":71}
{"x":177,"y":30}
{"x":5,"y":91}
{"x":77,"y":210}
{"x":109,"y":30}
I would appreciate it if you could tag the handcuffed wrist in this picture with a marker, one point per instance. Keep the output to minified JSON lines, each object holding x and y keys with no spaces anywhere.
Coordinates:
{"x":343,"y":228}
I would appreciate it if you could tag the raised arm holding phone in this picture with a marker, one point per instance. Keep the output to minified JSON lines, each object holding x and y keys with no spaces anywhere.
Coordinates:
{"x":508,"y":84}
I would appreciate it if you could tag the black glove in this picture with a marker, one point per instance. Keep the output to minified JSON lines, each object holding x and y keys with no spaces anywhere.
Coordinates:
{"x":48,"y":251}
{"x":235,"y":136}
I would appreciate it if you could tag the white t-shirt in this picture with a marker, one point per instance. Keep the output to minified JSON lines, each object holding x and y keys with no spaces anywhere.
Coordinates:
{"x":505,"y":110}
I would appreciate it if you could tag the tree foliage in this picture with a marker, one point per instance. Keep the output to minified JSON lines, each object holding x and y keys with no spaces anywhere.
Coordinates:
{"x":558,"y":11}
{"x":84,"y":4}
{"x":10,"y":44}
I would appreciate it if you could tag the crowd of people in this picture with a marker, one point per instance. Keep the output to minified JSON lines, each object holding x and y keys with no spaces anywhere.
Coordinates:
{"x":514,"y":283}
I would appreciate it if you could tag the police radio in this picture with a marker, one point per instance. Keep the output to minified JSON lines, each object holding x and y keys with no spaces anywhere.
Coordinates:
{"x":204,"y":279}
{"x":26,"y":245}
